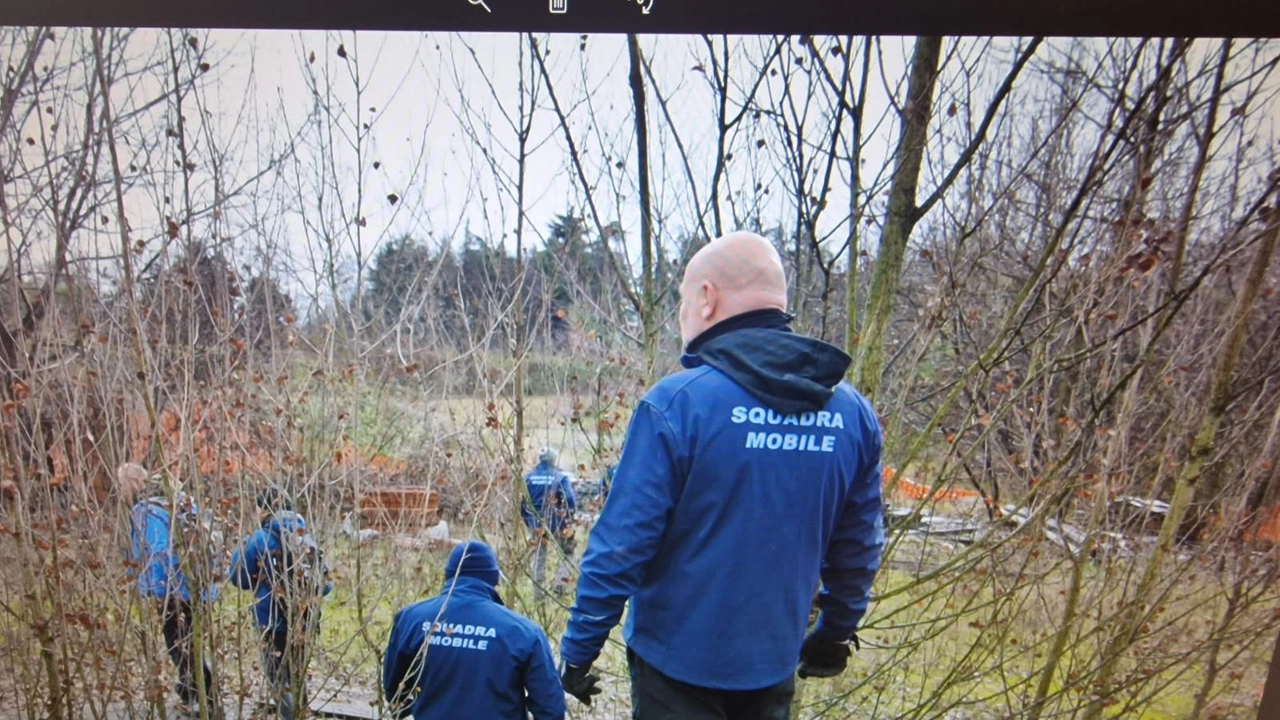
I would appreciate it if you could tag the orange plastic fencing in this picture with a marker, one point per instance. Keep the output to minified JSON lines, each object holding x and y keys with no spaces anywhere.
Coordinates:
{"x":905,"y":488}
{"x":1266,"y":529}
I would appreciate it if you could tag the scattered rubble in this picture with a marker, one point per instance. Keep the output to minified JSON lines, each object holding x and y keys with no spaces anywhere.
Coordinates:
{"x":1137,"y":514}
{"x":1132,"y":526}
{"x":927,"y":526}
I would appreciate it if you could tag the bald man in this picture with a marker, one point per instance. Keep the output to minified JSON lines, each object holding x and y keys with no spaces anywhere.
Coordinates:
{"x":745,"y":480}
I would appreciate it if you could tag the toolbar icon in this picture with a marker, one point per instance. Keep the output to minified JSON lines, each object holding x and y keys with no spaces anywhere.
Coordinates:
{"x":559,"y":7}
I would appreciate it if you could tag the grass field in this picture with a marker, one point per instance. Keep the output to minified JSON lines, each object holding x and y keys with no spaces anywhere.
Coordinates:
{"x":956,"y":633}
{"x":949,"y":646}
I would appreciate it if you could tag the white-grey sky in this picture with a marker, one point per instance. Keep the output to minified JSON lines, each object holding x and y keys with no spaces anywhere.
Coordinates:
{"x":419,"y":83}
{"x":428,"y":99}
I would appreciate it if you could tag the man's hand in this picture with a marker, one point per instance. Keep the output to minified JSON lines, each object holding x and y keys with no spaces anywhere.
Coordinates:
{"x":579,"y":682}
{"x":824,"y":658}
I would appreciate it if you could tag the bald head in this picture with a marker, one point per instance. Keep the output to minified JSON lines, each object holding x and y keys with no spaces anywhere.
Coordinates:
{"x":733,"y":274}
{"x":131,"y":480}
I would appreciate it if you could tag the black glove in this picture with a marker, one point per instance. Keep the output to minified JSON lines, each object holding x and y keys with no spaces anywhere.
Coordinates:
{"x":579,"y":682}
{"x":824,"y":657}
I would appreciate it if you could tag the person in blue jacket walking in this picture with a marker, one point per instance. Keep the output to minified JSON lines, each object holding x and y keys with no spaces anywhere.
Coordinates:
{"x":747,"y":481}
{"x":156,"y":554}
{"x":463,"y":654}
{"x":548,"y":509}
{"x":285,"y":568}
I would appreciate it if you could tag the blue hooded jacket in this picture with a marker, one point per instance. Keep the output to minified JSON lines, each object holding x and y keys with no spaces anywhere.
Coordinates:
{"x":249,"y":567}
{"x":482,"y":659}
{"x":551,"y":492}
{"x":744,"y":481}
{"x":155,"y":561}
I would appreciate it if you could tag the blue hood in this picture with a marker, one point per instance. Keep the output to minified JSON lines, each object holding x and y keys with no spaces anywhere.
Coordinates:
{"x":285,"y":521}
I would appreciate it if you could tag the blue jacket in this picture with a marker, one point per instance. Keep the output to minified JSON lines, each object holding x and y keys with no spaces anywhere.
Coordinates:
{"x":744,"y":481}
{"x":482,"y":660}
{"x":606,"y":481}
{"x":249,"y":566}
{"x":551,"y":492}
{"x":155,"y":561}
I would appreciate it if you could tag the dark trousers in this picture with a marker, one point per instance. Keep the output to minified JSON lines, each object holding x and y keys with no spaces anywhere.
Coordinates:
{"x":284,"y":662}
{"x":565,"y":547}
{"x":179,"y":641}
{"x":655,"y":696}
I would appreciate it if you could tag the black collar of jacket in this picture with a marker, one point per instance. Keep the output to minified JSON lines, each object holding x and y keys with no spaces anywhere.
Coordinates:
{"x":769,"y":318}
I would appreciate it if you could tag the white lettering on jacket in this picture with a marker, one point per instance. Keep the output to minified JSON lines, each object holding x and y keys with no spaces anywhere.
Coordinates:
{"x":790,"y":441}
{"x":764,"y":416}
{"x":799,"y":442}
{"x":459,"y":636}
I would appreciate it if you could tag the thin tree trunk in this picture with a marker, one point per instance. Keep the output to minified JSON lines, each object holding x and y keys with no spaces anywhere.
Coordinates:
{"x":520,"y":322}
{"x":648,"y":309}
{"x":1205,"y":140}
{"x":902,"y":213}
{"x":853,"y":314}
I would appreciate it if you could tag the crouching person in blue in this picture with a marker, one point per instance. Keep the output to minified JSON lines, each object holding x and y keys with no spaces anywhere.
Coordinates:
{"x":285,"y":568}
{"x":745,"y":480}
{"x":156,"y":554}
{"x":463,"y":654}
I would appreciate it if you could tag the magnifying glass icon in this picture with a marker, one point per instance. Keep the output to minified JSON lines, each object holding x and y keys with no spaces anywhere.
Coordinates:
{"x":481,"y":4}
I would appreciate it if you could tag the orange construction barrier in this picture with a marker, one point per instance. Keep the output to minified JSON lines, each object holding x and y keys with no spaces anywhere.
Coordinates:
{"x":915,"y":491}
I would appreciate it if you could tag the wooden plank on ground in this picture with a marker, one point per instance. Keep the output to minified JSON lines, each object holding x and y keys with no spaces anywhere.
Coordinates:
{"x":340,"y":709}
{"x":329,"y":709}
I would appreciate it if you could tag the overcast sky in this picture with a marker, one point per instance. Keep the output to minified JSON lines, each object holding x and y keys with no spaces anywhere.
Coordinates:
{"x":430,"y":101}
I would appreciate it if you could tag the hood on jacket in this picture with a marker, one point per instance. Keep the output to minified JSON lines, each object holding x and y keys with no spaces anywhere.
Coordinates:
{"x":787,"y":372}
{"x":474,"y":559}
{"x":284,"y":521}
{"x":467,"y":586}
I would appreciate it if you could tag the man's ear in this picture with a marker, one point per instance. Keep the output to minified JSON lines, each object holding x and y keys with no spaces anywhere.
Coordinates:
{"x":708,"y":297}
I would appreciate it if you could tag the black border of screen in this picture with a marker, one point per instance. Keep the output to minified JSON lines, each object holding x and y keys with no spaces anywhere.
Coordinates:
{"x":1061,"y":18}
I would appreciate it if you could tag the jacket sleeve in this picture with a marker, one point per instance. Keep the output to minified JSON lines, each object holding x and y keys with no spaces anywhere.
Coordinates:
{"x":245,"y":563}
{"x":526,"y":506}
{"x":542,"y":683}
{"x":134,"y":567}
{"x":395,"y":665}
{"x":853,"y":554}
{"x":328,"y":581}
{"x":328,"y":575}
{"x":628,"y":533}
{"x":566,"y":486}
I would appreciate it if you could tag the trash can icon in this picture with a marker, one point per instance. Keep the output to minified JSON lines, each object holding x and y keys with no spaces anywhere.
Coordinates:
{"x":559,"y":7}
